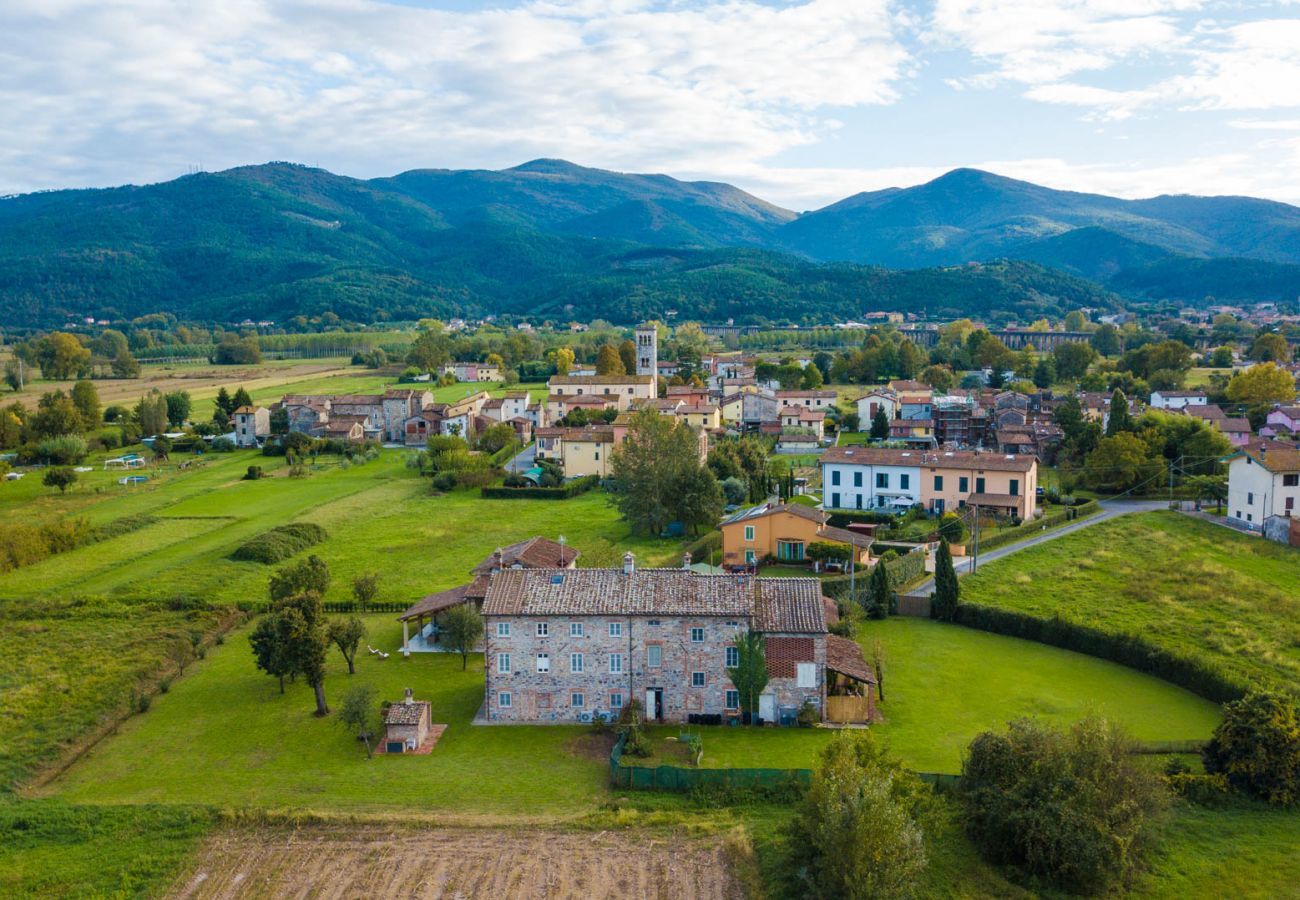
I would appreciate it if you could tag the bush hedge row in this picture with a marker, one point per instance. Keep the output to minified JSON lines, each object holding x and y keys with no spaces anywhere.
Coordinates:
{"x":900,"y":570}
{"x":572,"y":489}
{"x":280,"y":543}
{"x":1199,"y":676}
{"x":1034,"y":526}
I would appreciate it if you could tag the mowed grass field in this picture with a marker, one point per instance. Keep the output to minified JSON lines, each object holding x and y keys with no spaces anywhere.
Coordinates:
{"x":1191,"y":586}
{"x":225,"y":735}
{"x":381,"y":516}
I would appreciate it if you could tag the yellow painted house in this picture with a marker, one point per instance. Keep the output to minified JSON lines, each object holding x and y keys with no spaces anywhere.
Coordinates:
{"x":783,"y":531}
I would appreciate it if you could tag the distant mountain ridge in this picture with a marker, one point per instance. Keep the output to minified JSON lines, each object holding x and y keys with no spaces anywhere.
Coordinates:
{"x":276,"y":240}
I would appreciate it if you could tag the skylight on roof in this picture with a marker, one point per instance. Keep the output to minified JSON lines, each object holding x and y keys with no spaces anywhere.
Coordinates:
{"x":557,"y":579}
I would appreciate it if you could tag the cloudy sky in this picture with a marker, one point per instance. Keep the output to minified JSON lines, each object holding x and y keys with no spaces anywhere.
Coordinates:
{"x":801,"y":102}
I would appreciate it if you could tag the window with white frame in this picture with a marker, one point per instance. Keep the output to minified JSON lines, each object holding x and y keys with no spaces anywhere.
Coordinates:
{"x":616,"y":700}
{"x":733,"y":657}
{"x":504,"y":700}
{"x":616,"y":663}
{"x":575,"y":662}
{"x":577,"y":701}
{"x":806,"y":675}
{"x":749,"y":532}
{"x":615,"y":629}
{"x":503,"y":663}
{"x":503,"y":629}
{"x":697,"y":635}
{"x":654,"y":656}
{"x":732,"y":700}
{"x":543,"y":662}
{"x":575,"y":629}
{"x":543,"y":629}
{"x":697,"y":679}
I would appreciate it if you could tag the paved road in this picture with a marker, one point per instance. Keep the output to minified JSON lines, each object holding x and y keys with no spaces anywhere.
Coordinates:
{"x":1110,"y":509}
{"x":523,"y":461}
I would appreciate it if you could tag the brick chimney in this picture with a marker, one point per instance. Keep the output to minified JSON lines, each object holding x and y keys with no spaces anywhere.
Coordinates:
{"x":686,"y":560}
{"x":629,"y":563}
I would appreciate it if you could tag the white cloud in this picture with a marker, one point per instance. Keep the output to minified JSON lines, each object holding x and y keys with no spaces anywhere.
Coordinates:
{"x":140,"y":89}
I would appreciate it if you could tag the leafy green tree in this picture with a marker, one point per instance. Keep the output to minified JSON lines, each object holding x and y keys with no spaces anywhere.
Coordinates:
{"x":61,"y":356}
{"x":947,"y":590}
{"x":55,"y":415}
{"x":812,"y":378}
{"x":430,"y":351}
{"x":1264,"y":383}
{"x":1072,"y":359}
{"x":1106,"y":340}
{"x":734,"y":491}
{"x":61,"y":477}
{"x":365,"y":588}
{"x":178,"y":407}
{"x":240,"y":398}
{"x":233,"y":350}
{"x":1270,"y":347}
{"x":1120,"y":463}
{"x":347,"y":634}
{"x":880,"y":596}
{"x":308,"y":642}
{"x":879,"y":424}
{"x":627,"y":353}
{"x":1257,"y":747}
{"x":151,"y":413}
{"x":495,"y":437}
{"x":461,"y":628}
{"x":270,"y":643}
{"x":1119,"y":419}
{"x":125,"y":365}
{"x":1073,"y":807}
{"x":86,"y":399}
{"x":657,"y":476}
{"x":1075,"y":320}
{"x":358,"y":711}
{"x":952,"y":528}
{"x":1221,"y":358}
{"x":311,"y":575}
{"x":749,"y":675}
{"x":609,"y":362}
{"x":858,"y":833}
{"x":939,"y":377}
{"x":162,"y":446}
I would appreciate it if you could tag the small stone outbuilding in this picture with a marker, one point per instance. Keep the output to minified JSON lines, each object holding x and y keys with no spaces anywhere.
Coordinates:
{"x":406,"y":724}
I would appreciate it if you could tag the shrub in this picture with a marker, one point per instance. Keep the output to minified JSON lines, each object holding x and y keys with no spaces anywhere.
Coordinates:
{"x":444,"y":482}
{"x":858,"y":832}
{"x":572,"y":489}
{"x":1257,"y":747}
{"x":253,"y":473}
{"x":61,"y":477}
{"x":64,"y":450}
{"x":280,"y":543}
{"x":1204,"y":790}
{"x":1069,"y":806}
{"x":110,"y":440}
{"x":222,"y":444}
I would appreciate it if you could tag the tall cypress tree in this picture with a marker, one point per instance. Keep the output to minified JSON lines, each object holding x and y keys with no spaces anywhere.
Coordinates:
{"x":879,"y":425}
{"x":943,"y":603}
{"x":1120,"y":419}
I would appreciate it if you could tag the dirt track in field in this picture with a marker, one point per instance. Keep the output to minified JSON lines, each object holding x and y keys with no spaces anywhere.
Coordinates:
{"x":369,"y":861}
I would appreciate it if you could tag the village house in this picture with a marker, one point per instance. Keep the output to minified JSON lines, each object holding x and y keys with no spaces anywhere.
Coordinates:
{"x":534,"y":553}
{"x":871,"y":401}
{"x":398,"y":406}
{"x":822,"y":400}
{"x":916,"y":405}
{"x":894,"y":480}
{"x":1282,"y":421}
{"x":472,"y":371}
{"x":1235,"y":428}
{"x":580,"y":450}
{"x":624,"y":389}
{"x":1175,"y":400}
{"x":560,"y":405}
{"x":1263,"y":482}
{"x":252,"y":424}
{"x":917,"y":433}
{"x":564,"y":646}
{"x":783,"y":532}
{"x":801,"y":417}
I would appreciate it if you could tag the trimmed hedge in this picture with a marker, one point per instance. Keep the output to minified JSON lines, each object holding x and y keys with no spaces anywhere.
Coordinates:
{"x":900,"y":571}
{"x":572,"y":489}
{"x":1034,"y":526}
{"x":1196,"y":675}
{"x":280,"y":543}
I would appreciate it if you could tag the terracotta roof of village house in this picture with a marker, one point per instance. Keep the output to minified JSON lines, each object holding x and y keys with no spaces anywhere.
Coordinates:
{"x":578,"y":435}
{"x":403,"y":713}
{"x":845,"y":656}
{"x":995,"y":499}
{"x":790,"y":605}
{"x":905,"y":385}
{"x":844,"y":536}
{"x":948,"y":459}
{"x":1274,"y":457}
{"x":435,"y":603}
{"x":601,"y":379}
{"x":534,"y":553}
{"x":247,"y":409}
{"x":401,"y":393}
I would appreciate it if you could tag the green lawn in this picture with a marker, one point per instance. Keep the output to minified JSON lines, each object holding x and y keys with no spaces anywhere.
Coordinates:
{"x":380,"y":516}
{"x":944,"y":684}
{"x":226,"y":736}
{"x":1184,"y":584}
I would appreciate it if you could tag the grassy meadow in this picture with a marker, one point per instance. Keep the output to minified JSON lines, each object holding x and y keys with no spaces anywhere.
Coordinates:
{"x":1187,"y":585}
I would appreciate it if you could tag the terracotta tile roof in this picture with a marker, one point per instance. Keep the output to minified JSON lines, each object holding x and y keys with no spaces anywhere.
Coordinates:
{"x":435,"y":603}
{"x":403,"y":713}
{"x":903,"y":385}
{"x":994,"y":499}
{"x":358,"y":399}
{"x":845,"y":656}
{"x":245,"y":410}
{"x":534,"y":553}
{"x":955,"y":459}
{"x":844,"y":536}
{"x":1275,"y":458}
{"x":790,"y":605}
{"x":578,"y":435}
{"x":812,"y":395}
{"x":583,"y":380}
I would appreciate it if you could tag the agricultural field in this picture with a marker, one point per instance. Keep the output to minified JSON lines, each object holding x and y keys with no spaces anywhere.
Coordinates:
{"x":1187,"y":585}
{"x":380,"y":515}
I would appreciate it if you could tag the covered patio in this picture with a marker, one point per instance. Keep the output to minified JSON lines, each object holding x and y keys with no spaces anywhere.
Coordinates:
{"x":849,"y":683}
{"x":423,"y":615}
